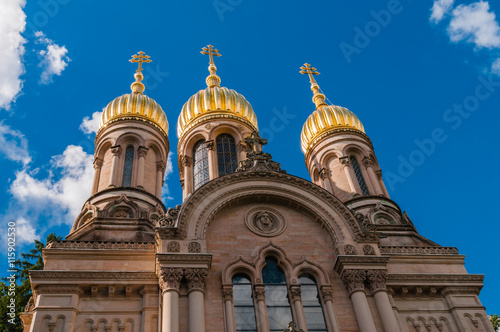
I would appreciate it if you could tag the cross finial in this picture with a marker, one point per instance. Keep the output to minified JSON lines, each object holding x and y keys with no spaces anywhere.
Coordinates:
{"x":140,"y":57}
{"x":307,"y":69}
{"x":211,"y":51}
{"x":212,"y":80}
{"x":255,"y":141}
{"x":318,"y":97}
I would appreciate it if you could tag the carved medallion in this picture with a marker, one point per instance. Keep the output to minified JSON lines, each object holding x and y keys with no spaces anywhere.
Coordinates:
{"x":265,"y":221}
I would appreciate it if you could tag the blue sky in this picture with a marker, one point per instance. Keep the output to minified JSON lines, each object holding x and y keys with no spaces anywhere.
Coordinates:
{"x":423,"y":77}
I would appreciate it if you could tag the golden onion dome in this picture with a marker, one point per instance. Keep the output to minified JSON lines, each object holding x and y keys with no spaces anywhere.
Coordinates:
{"x":326,"y":117}
{"x":135,"y":105}
{"x":214,"y":102}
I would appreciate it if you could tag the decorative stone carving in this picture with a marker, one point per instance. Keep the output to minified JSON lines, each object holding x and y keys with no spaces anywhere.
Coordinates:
{"x":170,"y":278}
{"x":116,"y":150}
{"x":354,"y":280}
{"x":259,"y":293}
{"x":196,"y":278}
{"x":94,"y":328}
{"x":160,"y":166}
{"x":377,"y":279}
{"x":323,"y":173}
{"x":52,"y":327}
{"x":121,"y":212}
{"x":209,"y":144}
{"x":99,"y":245}
{"x":169,"y":219}
{"x":344,"y":161}
{"x":194,"y":247}
{"x":420,"y":250}
{"x":98,"y":162}
{"x":379,"y":174}
{"x":142,"y":151}
{"x":108,"y":328}
{"x":186,"y":161}
{"x":121,"y":328}
{"x":367,"y":162}
{"x":326,"y":293}
{"x":295,"y":293}
{"x":227,"y":293}
{"x":173,"y":246}
{"x":265,"y":221}
{"x":257,"y":160}
{"x":368,"y":250}
{"x":350,"y":250}
{"x":475,"y":322}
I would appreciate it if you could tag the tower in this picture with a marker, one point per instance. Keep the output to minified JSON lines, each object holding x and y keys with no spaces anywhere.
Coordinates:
{"x":131,"y":149}
{"x":212,"y":128}
{"x":338,"y":153}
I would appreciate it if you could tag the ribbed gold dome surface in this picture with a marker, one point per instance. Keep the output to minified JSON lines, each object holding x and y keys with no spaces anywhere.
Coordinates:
{"x":325,"y":118}
{"x":215,"y":100}
{"x":135,"y":105}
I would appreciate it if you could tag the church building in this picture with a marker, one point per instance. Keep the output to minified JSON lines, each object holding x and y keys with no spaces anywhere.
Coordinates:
{"x":251,"y":248}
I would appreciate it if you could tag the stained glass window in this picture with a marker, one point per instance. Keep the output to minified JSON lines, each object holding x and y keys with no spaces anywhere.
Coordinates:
{"x":127,"y":167}
{"x":278,"y":305}
{"x":311,"y":303}
{"x":359,"y":175}
{"x":227,"y":158}
{"x":200,"y":164}
{"x":244,"y":311}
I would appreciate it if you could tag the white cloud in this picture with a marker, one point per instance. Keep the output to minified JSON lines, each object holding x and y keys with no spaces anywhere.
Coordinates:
{"x":91,"y":125}
{"x":54,"y":59}
{"x":11,"y":50}
{"x":14,"y":145}
{"x":476,"y":24}
{"x":495,"y":67}
{"x":25,"y":232}
{"x":169,"y":169}
{"x":439,"y":9}
{"x":59,"y":198}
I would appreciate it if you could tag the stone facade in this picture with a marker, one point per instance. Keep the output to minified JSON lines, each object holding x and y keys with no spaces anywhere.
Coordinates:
{"x":131,"y":264}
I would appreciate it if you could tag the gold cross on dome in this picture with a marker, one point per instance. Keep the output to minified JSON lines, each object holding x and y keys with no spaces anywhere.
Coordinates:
{"x":140,"y":57}
{"x":211,"y":51}
{"x":307,"y":69}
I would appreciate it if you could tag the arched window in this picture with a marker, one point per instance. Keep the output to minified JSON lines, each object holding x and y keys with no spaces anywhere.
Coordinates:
{"x":200,"y":164}
{"x":359,"y":175}
{"x":244,"y":311}
{"x":311,"y":303}
{"x":278,"y":305}
{"x":227,"y":158}
{"x":127,"y":167}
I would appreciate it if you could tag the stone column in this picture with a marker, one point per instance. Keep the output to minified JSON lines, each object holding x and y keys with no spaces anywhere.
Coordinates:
{"x":381,"y":182}
{"x":187,"y":163}
{"x":327,"y":298}
{"x":116,"y":151}
{"x":260,"y":308}
{"x":377,"y":279}
{"x":196,"y":286}
{"x":296,"y":299}
{"x":354,"y":281}
{"x":160,"y":169}
{"x":227,"y":292}
{"x":212,"y":160}
{"x":170,"y":279}
{"x":323,"y":174}
{"x":141,"y":152}
{"x":347,"y":169}
{"x":368,"y":163}
{"x":97,"y":175}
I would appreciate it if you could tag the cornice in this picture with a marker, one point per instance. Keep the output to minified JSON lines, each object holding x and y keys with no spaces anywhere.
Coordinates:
{"x":118,"y":275}
{"x":100,"y":245}
{"x":409,"y":250}
{"x":368,"y":262}
{"x":179,"y":259}
{"x":426,"y":278}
